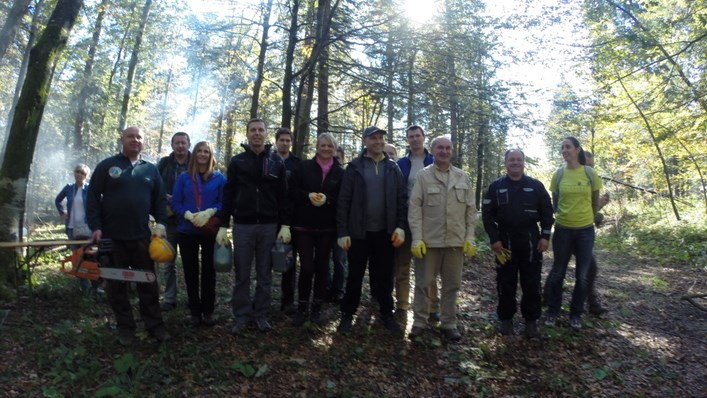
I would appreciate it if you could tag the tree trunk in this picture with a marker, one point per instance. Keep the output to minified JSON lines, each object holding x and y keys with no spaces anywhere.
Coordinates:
{"x":132,"y":65}
{"x":163,"y":117}
{"x":12,"y":23}
{"x":323,"y":80}
{"x":86,"y":83}
{"x":255,"y":103}
{"x":25,"y":127}
{"x":288,"y":77}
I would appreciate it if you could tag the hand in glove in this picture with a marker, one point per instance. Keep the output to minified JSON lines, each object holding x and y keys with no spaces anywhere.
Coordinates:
{"x":418,"y":249}
{"x":503,"y":256}
{"x":344,"y":242}
{"x":284,"y":234}
{"x":159,"y":230}
{"x":317,"y":198}
{"x":189,"y":216}
{"x":202,"y":217}
{"x":222,"y":236}
{"x":398,"y":237}
{"x":469,"y":248}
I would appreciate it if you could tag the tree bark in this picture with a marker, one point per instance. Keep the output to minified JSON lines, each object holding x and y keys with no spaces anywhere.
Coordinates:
{"x":255,"y":103}
{"x":288,"y":77}
{"x":12,"y":23}
{"x":25,"y":127}
{"x":132,"y":66}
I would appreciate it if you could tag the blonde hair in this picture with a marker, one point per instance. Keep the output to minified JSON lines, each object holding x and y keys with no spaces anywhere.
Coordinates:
{"x":329,"y":137}
{"x":194,"y":168}
{"x":83,"y":167}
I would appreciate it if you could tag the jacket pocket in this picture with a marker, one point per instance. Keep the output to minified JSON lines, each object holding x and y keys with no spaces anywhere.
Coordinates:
{"x":433,"y":196}
{"x":461,"y":190}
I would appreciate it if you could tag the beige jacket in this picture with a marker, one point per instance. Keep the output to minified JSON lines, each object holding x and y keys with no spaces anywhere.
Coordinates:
{"x":442,"y":211}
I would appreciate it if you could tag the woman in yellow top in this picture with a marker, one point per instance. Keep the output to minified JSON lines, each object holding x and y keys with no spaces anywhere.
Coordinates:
{"x":575,"y":193}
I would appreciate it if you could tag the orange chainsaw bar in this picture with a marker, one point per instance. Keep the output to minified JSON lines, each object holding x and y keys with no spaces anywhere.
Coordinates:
{"x":87,"y":269}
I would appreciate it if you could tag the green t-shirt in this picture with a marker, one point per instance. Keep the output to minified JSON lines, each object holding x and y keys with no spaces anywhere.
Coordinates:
{"x":574,"y":209}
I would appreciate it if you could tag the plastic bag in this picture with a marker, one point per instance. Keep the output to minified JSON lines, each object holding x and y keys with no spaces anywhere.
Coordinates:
{"x":281,"y":257}
{"x":223,"y":257}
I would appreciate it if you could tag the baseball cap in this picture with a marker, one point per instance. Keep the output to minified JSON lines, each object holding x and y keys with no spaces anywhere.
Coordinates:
{"x":369,"y":131}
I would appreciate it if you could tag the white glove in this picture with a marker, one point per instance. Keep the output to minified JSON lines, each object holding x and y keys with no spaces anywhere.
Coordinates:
{"x":398,"y":237}
{"x":344,"y":242}
{"x":160,"y":230}
{"x":202,"y":217}
{"x":222,"y":236}
{"x":317,"y":198}
{"x":189,"y":216}
{"x":284,"y":234}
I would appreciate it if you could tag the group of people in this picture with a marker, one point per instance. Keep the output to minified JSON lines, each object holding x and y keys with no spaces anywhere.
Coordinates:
{"x":374,"y":213}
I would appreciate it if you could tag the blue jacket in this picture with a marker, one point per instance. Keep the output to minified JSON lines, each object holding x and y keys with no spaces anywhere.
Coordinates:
{"x":69,"y":192}
{"x":405,"y":164}
{"x":184,"y":198}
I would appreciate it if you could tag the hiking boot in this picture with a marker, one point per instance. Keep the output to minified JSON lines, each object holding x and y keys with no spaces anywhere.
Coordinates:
{"x":195,"y":320}
{"x":239,"y":328}
{"x":208,"y":320}
{"x":531,"y":329}
{"x":416,"y":332}
{"x":434,"y":318}
{"x":126,"y":337}
{"x":345,"y":324}
{"x":451,"y":334}
{"x":315,"y":314}
{"x":597,"y":309}
{"x":263,"y":325}
{"x":575,"y":323}
{"x":389,"y":322}
{"x":506,"y":327}
{"x":550,"y":320}
{"x":299,"y":319}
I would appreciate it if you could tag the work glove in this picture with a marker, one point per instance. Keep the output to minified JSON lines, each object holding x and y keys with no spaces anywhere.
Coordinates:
{"x":469,"y":248}
{"x":284,"y":234}
{"x":222,"y":236}
{"x":344,"y":242}
{"x":418,"y":248}
{"x":398,"y":237}
{"x":317,"y":198}
{"x":503,"y":256}
{"x":159,"y":230}
{"x":202,"y":217}
{"x":189,"y":216}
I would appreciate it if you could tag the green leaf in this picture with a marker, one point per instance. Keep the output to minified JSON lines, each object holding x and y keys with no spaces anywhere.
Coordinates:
{"x":125,"y":363}
{"x":262,"y":370}
{"x":110,"y":391}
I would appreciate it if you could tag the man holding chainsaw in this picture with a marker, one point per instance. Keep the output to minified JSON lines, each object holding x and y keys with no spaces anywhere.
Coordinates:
{"x":511,"y":210}
{"x":123,"y":192}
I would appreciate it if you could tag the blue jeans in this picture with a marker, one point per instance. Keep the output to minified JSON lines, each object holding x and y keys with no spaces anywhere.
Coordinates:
{"x":566,"y":241}
{"x":252,"y":241}
{"x":170,"y":269}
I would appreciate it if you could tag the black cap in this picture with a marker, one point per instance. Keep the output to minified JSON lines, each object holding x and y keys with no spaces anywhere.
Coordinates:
{"x":369,"y":131}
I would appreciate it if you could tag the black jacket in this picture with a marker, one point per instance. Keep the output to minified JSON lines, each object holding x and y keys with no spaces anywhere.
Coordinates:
{"x":256,"y":189}
{"x":513,"y":209}
{"x":306,"y":179}
{"x":350,"y":214}
{"x":121,"y":198}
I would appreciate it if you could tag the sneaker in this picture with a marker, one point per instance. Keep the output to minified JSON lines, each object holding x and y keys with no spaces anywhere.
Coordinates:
{"x":531,"y":329}
{"x":597,"y":309}
{"x":451,"y":334}
{"x":389,"y":322}
{"x":506,"y":327}
{"x":345,"y":324}
{"x":575,"y":323}
{"x":126,"y":337}
{"x":299,"y":319}
{"x":416,"y":332}
{"x":167,"y":306}
{"x":263,"y":325}
{"x":208,"y":320}
{"x":550,"y":320}
{"x":239,"y":328}
{"x":434,"y":318}
{"x":195,"y":320}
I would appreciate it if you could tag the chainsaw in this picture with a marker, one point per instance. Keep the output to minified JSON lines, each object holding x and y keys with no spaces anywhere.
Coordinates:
{"x":93,"y":261}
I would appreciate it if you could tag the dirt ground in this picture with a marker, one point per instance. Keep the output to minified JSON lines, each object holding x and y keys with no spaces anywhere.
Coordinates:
{"x":56,"y":343}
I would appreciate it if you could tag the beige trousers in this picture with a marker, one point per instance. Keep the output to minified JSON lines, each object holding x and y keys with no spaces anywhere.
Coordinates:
{"x":447,"y":263}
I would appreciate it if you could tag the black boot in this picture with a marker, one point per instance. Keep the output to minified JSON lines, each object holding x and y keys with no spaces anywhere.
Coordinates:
{"x":301,"y":314}
{"x":316,"y":314}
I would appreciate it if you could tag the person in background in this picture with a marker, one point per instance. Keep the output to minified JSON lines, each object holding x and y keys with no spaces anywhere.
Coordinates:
{"x":594,"y":305}
{"x":415,"y":160}
{"x":391,"y":151}
{"x":442,"y":217}
{"x":255,"y":195}
{"x":511,"y":210}
{"x":576,"y":201}
{"x":315,"y":187}
{"x":124,"y":191}
{"x":371,"y":221}
{"x":335,"y":289}
{"x":170,"y":167}
{"x":283,"y":144}
{"x":196,"y":197}
{"x":74,"y":215}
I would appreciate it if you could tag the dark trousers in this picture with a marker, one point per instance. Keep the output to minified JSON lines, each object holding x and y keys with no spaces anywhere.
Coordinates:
{"x":197,"y":282}
{"x":134,"y":254}
{"x":337,"y":276}
{"x":376,"y":251}
{"x":525,"y":264}
{"x":289,"y":278}
{"x":565,"y":242}
{"x":314,"y":249}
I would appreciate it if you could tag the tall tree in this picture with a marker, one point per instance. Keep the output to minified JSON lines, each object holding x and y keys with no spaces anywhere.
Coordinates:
{"x":12,"y":23}
{"x":259,"y":75}
{"x":25,"y":127}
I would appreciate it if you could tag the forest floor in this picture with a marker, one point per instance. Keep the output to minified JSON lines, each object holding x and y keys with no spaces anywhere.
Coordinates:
{"x":56,"y":343}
